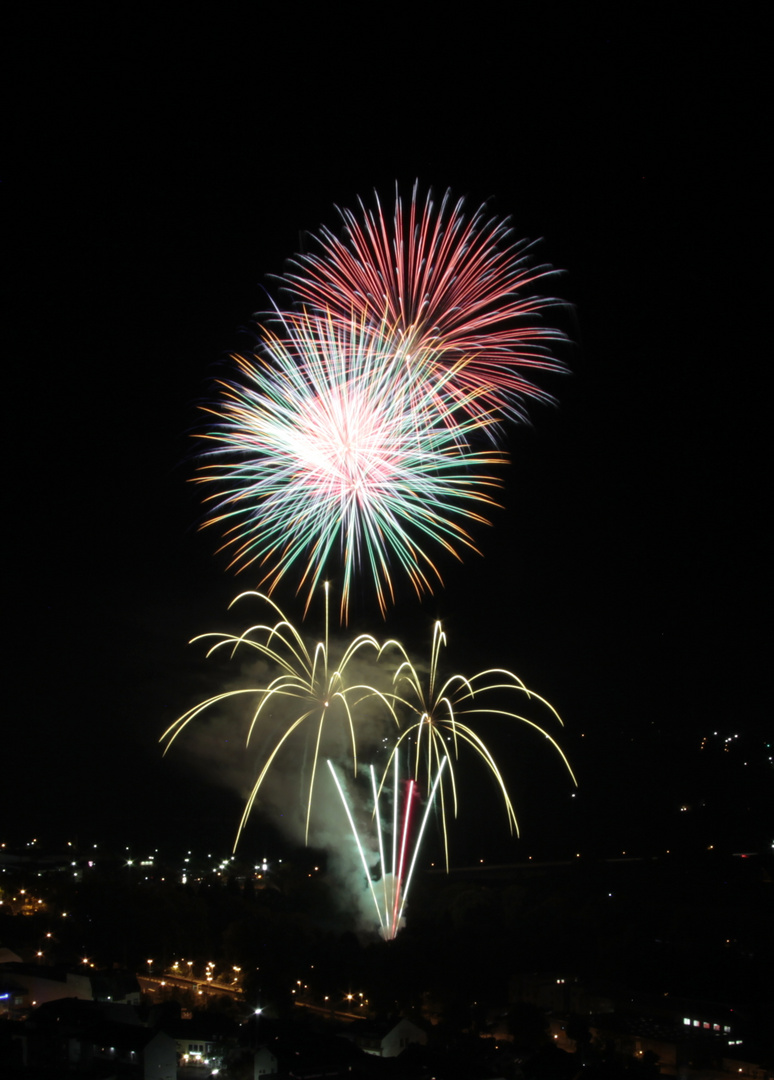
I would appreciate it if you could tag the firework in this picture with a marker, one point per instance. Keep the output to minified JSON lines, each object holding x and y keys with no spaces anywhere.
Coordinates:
{"x":334,"y":442}
{"x":309,"y":693}
{"x":390,"y":893}
{"x":435,"y":724}
{"x":353,"y":434}
{"x":459,"y":286}
{"x":425,"y":722}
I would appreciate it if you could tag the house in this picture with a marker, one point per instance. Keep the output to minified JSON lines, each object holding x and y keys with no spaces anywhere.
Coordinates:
{"x":264,"y":1063}
{"x":73,"y":1035}
{"x":31,"y":985}
{"x":387,"y":1039}
{"x":202,"y":1039}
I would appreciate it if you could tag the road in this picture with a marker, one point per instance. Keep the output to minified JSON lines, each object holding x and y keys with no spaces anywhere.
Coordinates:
{"x":157,"y":984}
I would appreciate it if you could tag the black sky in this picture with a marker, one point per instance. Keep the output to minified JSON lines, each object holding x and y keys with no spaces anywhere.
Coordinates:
{"x":162,"y":169}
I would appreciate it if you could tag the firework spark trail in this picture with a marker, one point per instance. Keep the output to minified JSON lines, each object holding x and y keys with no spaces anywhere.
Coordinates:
{"x":310,"y":694}
{"x":380,"y":831}
{"x":408,"y":806}
{"x":396,"y":894}
{"x":435,"y":720}
{"x":332,"y":439}
{"x":358,"y":843}
{"x":459,"y":286}
{"x":314,"y":694}
{"x":418,"y":843}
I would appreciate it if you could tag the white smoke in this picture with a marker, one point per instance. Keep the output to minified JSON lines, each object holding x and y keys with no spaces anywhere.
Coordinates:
{"x":216,"y":741}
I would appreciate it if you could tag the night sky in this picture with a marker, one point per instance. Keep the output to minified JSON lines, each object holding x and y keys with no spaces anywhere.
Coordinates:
{"x":161,"y":171}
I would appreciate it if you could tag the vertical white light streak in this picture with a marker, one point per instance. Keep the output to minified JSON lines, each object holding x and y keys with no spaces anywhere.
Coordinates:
{"x":357,"y":841}
{"x":378,"y":817}
{"x":395,"y":824}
